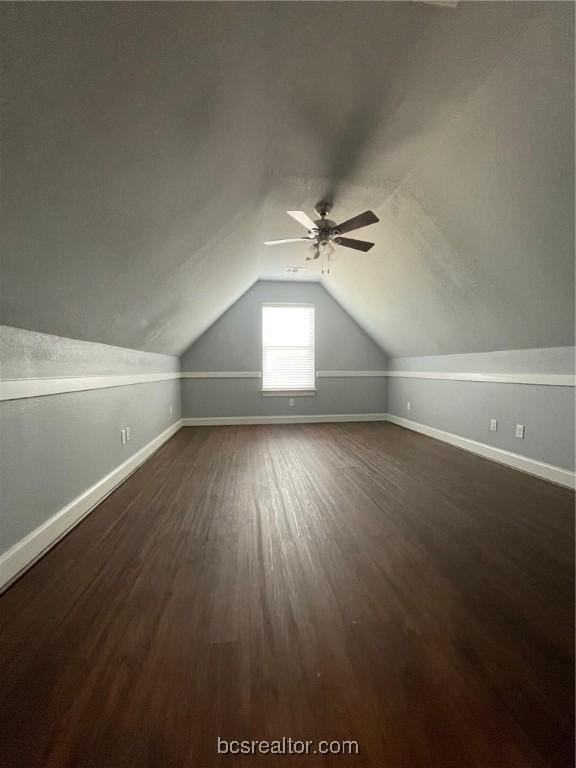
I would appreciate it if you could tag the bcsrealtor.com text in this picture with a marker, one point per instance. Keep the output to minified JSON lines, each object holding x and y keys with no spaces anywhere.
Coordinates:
{"x":286,"y":746}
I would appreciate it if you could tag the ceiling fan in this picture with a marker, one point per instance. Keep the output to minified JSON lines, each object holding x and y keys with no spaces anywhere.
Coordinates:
{"x":323,"y":231}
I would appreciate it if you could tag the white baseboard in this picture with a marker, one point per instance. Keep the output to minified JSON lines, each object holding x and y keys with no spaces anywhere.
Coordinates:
{"x":515,"y":460}
{"x":228,"y":421}
{"x":29,"y":549}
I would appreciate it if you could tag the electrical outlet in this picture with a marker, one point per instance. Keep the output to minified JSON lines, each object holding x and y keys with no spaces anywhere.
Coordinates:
{"x":123,"y":436}
{"x":291,"y":403}
{"x":520,"y":431}
{"x":171,"y":409}
{"x":408,"y":405}
{"x":494,"y":425}
{"x":128,"y":435}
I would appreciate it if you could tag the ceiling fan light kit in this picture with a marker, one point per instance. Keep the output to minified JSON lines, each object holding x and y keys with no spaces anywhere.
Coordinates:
{"x":324,"y":232}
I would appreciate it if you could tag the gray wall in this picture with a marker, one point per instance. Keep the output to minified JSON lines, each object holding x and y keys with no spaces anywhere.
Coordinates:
{"x":234,"y":343}
{"x":465,"y":408}
{"x":53,"y":448}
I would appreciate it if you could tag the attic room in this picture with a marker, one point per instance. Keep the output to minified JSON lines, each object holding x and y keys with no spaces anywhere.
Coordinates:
{"x":287,"y":370}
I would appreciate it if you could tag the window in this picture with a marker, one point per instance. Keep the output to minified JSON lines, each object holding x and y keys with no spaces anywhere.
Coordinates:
{"x":287,"y":347}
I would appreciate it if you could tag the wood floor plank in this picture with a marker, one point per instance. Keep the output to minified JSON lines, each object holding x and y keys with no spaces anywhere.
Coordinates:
{"x":326,"y":581}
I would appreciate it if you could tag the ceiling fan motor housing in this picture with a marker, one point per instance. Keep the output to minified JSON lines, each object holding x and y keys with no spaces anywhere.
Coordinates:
{"x":326,"y":230}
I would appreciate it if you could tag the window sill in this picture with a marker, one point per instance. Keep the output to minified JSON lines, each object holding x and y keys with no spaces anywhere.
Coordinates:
{"x":288,"y":392}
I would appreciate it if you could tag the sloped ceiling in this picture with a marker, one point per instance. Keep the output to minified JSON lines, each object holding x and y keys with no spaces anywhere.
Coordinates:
{"x":149,"y":148}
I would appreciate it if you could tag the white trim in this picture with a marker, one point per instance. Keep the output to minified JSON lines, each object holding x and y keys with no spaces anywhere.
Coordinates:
{"x":215,"y":421}
{"x":29,"y":549}
{"x":288,"y":392}
{"x":287,"y":304}
{"x":221,"y":375}
{"x":541,"y":379}
{"x":515,"y":460}
{"x":349,"y":374}
{"x":16,"y":389}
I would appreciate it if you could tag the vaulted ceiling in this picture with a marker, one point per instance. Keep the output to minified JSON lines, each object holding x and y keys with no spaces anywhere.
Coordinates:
{"x":149,"y":148}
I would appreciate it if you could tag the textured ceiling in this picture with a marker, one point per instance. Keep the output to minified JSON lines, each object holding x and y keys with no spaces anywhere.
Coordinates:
{"x":149,"y":148}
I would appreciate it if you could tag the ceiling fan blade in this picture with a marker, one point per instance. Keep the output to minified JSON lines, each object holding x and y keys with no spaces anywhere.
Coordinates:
{"x":288,"y":240}
{"x":358,"y":245}
{"x":362,"y":220}
{"x":302,"y":218}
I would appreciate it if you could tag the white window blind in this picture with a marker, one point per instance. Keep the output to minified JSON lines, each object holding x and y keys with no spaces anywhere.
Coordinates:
{"x":287,"y":347}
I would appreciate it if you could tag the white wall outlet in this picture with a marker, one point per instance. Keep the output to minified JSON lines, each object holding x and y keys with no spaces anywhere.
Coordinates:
{"x":171,"y":409}
{"x":123,"y":436}
{"x":520,"y":431}
{"x":128,"y":435}
{"x":291,"y":402}
{"x":494,"y":425}
{"x":408,"y":405}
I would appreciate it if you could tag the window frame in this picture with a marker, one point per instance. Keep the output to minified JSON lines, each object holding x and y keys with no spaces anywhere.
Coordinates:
{"x":308,"y":391}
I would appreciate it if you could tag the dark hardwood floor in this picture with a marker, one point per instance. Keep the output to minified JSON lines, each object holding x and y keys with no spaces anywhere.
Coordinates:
{"x":339,"y":581}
